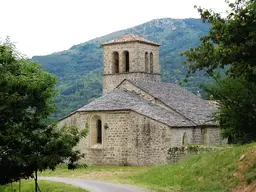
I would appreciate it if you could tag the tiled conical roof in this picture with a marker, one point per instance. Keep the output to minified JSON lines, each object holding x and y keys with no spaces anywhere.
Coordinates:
{"x":130,"y":38}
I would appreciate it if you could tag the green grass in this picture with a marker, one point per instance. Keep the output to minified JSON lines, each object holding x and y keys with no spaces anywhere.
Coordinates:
{"x":209,"y":172}
{"x":45,"y":186}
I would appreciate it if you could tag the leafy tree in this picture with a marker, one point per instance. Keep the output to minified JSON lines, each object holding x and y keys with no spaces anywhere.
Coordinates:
{"x":29,"y":140}
{"x":237,"y":101}
{"x":230,"y":41}
{"x":230,"y":44}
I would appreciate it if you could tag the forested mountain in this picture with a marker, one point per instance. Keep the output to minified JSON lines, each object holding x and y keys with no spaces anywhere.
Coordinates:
{"x":79,"y":69}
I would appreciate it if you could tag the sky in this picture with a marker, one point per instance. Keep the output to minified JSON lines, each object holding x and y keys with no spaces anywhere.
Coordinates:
{"x":40,"y":27}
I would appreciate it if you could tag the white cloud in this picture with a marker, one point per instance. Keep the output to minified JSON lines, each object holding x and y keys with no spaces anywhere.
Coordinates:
{"x":44,"y":26}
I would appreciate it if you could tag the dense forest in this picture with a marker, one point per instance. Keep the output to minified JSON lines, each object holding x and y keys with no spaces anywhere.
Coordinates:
{"x":79,"y":69}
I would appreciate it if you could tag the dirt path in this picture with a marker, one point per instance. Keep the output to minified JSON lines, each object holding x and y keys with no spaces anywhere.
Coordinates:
{"x":94,"y":186}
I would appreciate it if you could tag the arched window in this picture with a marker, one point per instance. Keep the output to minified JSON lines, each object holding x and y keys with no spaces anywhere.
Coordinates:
{"x":95,"y":130}
{"x":126,"y":61}
{"x":146,"y":62}
{"x":99,"y":131}
{"x":151,"y":62}
{"x":185,"y":139}
{"x":115,"y":62}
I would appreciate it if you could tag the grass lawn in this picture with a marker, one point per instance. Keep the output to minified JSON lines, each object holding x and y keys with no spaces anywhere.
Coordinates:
{"x":45,"y":186}
{"x":211,"y":172}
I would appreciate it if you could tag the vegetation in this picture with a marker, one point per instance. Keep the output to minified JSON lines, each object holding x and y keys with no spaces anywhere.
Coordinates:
{"x":29,"y":140}
{"x":45,"y":186}
{"x":213,"y":171}
{"x":79,"y":69}
{"x":231,"y":43}
{"x":237,"y":101}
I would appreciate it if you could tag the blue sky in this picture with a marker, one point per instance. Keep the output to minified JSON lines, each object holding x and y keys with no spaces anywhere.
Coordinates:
{"x":40,"y":27}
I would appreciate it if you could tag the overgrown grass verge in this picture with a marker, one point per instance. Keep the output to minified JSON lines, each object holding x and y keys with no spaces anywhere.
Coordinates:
{"x":104,"y":173}
{"x":211,"y":172}
{"x":45,"y":186}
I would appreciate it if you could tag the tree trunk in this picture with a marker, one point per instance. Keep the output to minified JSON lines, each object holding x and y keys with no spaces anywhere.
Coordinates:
{"x":19,"y":185}
{"x":36,"y":181}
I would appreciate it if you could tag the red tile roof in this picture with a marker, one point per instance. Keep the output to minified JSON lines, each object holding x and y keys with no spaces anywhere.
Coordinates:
{"x":130,"y":38}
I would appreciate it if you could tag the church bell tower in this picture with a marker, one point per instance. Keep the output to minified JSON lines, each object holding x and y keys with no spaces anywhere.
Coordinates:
{"x":129,"y":57}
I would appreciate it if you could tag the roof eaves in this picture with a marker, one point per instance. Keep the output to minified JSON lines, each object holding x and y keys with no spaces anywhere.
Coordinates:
{"x":120,"y":42}
{"x":142,"y":115}
{"x":68,"y":115}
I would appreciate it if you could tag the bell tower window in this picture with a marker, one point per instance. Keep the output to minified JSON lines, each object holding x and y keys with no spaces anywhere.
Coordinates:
{"x":126,"y":61}
{"x":151,"y":62}
{"x":146,"y":62}
{"x":115,"y":62}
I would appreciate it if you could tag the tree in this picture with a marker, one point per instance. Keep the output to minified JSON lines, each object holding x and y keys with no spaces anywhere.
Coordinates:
{"x":230,"y":44}
{"x":237,"y":101}
{"x":29,"y":140}
{"x":230,"y":41}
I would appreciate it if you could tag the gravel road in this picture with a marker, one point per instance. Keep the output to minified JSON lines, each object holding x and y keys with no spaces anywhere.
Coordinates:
{"x":94,"y":186}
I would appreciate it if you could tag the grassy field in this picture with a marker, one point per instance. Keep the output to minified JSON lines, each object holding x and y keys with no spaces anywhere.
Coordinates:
{"x":211,"y":172}
{"x":45,"y":186}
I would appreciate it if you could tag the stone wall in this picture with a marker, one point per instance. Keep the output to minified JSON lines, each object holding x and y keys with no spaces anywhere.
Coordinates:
{"x":149,"y":141}
{"x":212,"y":136}
{"x":183,"y":152}
{"x":129,"y":138}
{"x":177,"y":136}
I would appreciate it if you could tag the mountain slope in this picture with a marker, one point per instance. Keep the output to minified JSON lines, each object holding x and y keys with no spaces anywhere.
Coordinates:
{"x":79,"y":68}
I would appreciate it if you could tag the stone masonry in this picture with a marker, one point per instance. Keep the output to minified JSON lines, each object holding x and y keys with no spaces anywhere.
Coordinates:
{"x":139,"y":68}
{"x":132,"y":139}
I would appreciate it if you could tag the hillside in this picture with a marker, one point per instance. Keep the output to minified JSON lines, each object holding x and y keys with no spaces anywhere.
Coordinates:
{"x":79,"y":68}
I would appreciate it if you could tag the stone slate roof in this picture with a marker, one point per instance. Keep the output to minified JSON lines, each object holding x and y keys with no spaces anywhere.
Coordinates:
{"x":184,"y":102}
{"x":119,"y":99}
{"x":130,"y":38}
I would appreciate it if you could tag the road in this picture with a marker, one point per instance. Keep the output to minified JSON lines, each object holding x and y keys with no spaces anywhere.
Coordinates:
{"x":94,"y":186}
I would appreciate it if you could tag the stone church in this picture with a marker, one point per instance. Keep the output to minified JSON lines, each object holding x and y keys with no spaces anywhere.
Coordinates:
{"x":138,"y":119}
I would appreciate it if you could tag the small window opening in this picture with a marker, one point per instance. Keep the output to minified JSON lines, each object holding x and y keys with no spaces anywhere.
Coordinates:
{"x":115,"y":62}
{"x":185,"y":139}
{"x":151,"y":63}
{"x":99,"y":131}
{"x":146,"y":62}
{"x":126,"y":61}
